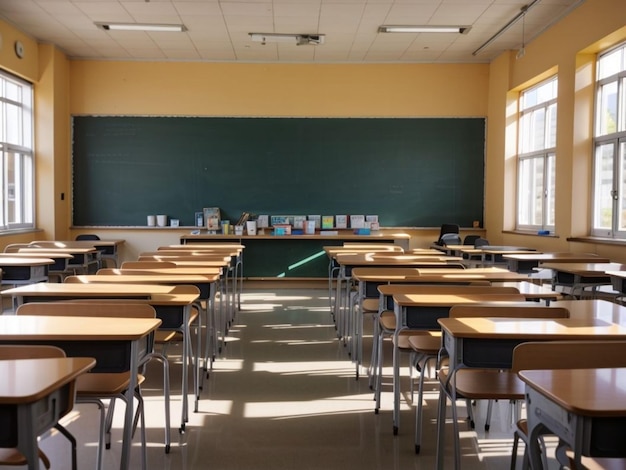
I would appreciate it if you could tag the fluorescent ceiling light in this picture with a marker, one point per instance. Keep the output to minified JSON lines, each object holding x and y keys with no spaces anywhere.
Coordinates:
{"x":297,"y":39}
{"x":169,"y":28}
{"x":424,"y":29}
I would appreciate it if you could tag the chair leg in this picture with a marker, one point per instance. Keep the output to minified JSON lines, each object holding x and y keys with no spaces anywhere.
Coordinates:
{"x":102,"y":427}
{"x":72,"y":440}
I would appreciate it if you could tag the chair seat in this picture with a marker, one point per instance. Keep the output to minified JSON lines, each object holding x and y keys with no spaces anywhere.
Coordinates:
{"x":106,"y":383}
{"x":370,"y":305}
{"x":429,"y":342}
{"x":403,"y":339}
{"x":387,"y":320}
{"x":165,"y":336}
{"x":486,"y":384}
{"x":13,"y":457}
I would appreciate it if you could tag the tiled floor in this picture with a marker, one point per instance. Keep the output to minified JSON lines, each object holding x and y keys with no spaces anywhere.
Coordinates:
{"x":284,"y":396}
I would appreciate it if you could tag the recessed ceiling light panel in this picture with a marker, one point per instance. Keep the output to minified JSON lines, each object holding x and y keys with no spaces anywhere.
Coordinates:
{"x":149,"y":27}
{"x":423,"y":29}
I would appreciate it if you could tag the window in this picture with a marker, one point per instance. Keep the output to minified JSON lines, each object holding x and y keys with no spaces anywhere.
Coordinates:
{"x":536,"y":156}
{"x":609,"y":164}
{"x":16,"y":150}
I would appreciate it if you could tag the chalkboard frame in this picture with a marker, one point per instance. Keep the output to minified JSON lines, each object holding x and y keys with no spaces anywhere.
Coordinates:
{"x":408,"y":171}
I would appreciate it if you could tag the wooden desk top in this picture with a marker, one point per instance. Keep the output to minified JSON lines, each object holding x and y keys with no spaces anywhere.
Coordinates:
{"x":82,"y":243}
{"x":448,"y":300}
{"x":189,"y":263}
{"x":204,"y":246}
{"x":564,"y":257}
{"x":43,"y":254}
{"x":500,"y":250}
{"x":585,"y":309}
{"x":77,"y":250}
{"x":182,"y":270}
{"x":29,"y":380}
{"x":432,"y":275}
{"x":586,"y":269}
{"x":371,"y":259}
{"x":24,"y":261}
{"x":384,"y":274}
{"x":182,"y":255}
{"x":334,"y":250}
{"x":174,"y":278}
{"x":157,"y":294}
{"x":464,"y":275}
{"x":532,"y":329}
{"x":53,"y":328}
{"x":586,"y":392}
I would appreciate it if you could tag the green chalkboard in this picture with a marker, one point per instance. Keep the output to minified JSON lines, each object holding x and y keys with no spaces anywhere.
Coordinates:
{"x":411,"y":172}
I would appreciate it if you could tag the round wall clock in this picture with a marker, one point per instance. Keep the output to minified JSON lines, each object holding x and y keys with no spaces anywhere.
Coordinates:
{"x":19,"y":49}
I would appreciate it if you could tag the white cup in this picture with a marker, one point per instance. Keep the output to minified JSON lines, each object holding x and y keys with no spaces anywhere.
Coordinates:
{"x":238,"y":229}
{"x":151,"y":221}
{"x":161,"y":220}
{"x":251,"y":227}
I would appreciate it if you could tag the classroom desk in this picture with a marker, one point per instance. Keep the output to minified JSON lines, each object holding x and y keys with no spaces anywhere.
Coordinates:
{"x":108,"y":248}
{"x":585,"y":408}
{"x":173,"y":308}
{"x":270,"y":256}
{"x":452,"y":250}
{"x":59,"y":268}
{"x":422,"y":312}
{"x":34,"y":395}
{"x":528,"y":262}
{"x":18,"y":270}
{"x":333,"y":267}
{"x":578,"y":276}
{"x":491,"y":254}
{"x":117,"y":346}
{"x":348,"y":261}
{"x":204,"y":282}
{"x":489,"y":342}
{"x":84,"y":259}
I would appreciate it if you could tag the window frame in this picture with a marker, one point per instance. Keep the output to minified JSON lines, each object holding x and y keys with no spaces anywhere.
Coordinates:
{"x":17,"y":154}
{"x":530,"y":155}
{"x":615,"y":141}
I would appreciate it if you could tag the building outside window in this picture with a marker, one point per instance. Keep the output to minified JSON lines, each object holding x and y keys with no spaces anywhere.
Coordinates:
{"x":536,"y":156}
{"x":16,"y":149}
{"x":609,"y":156}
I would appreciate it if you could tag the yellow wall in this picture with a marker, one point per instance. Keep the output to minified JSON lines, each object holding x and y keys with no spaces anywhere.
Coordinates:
{"x":209,"y":89}
{"x":66,"y":87}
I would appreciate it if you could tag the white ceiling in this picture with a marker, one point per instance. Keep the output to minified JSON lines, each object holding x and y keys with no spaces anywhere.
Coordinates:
{"x":217,"y":30}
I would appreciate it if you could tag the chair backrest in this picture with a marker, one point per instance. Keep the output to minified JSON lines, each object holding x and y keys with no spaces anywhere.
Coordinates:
{"x":147,"y":265}
{"x":89,"y":308}
{"x":87,"y":236}
{"x":470,"y":239}
{"x":569,"y":355}
{"x":450,"y":239}
{"x":481,"y":242}
{"x":447,"y":228}
{"x":15,"y":247}
{"x":29,"y":351}
{"x":509,"y":311}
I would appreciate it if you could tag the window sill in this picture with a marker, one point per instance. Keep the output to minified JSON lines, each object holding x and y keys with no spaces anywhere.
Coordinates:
{"x":529,"y":233}
{"x":598,"y":240}
{"x":20,"y":231}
